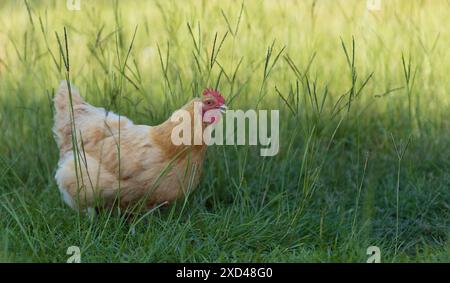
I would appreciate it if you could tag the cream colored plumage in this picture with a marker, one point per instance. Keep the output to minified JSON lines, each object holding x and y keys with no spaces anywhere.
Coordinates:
{"x":151,"y":168}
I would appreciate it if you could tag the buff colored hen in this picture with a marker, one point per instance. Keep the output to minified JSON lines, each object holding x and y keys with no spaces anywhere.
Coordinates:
{"x":118,"y":163}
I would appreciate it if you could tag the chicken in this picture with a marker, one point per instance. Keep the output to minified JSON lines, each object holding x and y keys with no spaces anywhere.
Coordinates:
{"x":118,"y":163}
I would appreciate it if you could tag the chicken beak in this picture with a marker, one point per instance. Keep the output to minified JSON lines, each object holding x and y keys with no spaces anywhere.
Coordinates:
{"x":223,"y":108}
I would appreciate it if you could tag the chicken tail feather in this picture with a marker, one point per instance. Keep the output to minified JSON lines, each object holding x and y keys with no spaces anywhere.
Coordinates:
{"x":62,"y":97}
{"x":62,"y":127}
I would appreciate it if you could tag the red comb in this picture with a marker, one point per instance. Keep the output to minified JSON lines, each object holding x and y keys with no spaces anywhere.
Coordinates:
{"x":215,"y":93}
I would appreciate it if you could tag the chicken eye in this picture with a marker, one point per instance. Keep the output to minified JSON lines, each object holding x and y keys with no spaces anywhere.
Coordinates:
{"x":209,"y":102}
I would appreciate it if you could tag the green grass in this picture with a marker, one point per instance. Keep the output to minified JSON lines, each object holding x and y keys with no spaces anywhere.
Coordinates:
{"x":364,"y":127}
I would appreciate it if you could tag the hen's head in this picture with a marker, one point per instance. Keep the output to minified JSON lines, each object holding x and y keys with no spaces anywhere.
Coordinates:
{"x":212,"y":100}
